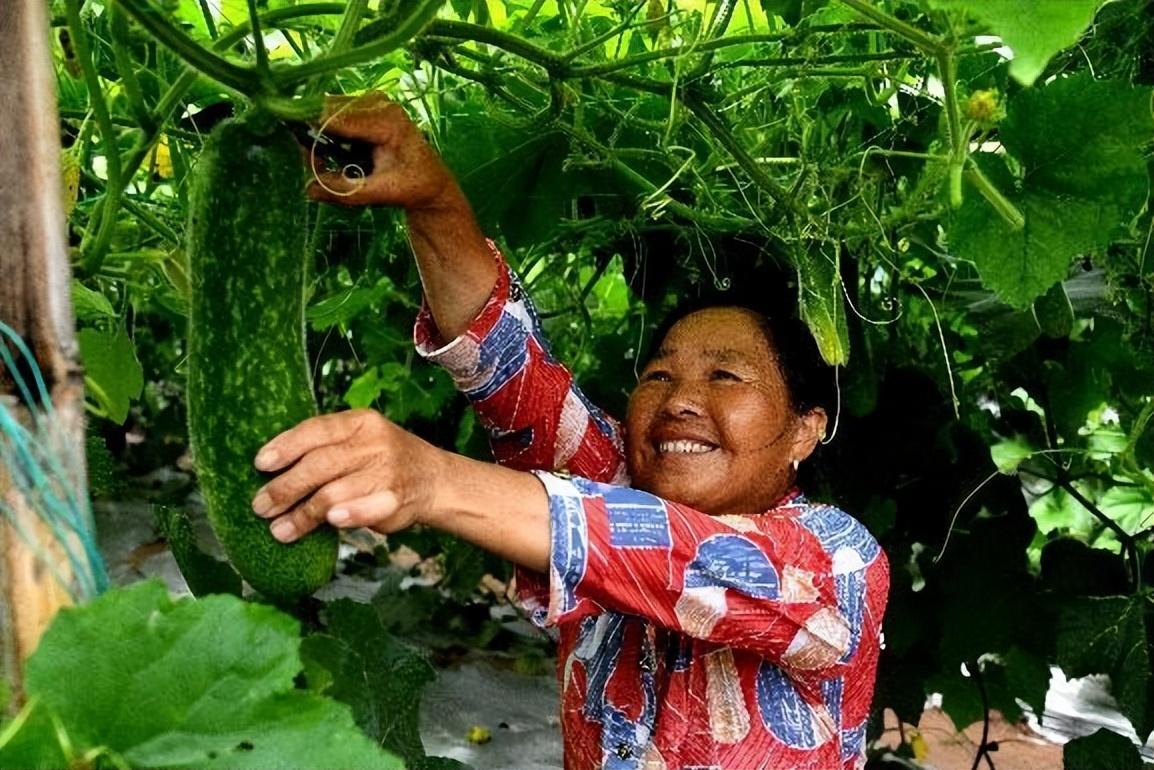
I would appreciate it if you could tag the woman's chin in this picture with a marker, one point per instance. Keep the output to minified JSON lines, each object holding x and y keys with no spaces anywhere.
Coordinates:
{"x":684,"y":489}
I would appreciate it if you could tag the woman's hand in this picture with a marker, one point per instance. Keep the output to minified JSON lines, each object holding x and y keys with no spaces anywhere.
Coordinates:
{"x":456,"y":266}
{"x":406,"y":172}
{"x":357,"y":469}
{"x":353,"y":469}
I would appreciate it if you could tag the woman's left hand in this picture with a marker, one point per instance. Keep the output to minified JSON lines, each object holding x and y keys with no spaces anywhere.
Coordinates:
{"x":351,"y":469}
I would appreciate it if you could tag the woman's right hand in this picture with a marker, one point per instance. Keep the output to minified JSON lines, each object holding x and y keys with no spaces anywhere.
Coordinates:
{"x":406,"y":173}
{"x":457,"y":268}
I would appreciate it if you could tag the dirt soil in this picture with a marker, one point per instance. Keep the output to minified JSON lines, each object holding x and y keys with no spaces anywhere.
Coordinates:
{"x":1019,"y":748}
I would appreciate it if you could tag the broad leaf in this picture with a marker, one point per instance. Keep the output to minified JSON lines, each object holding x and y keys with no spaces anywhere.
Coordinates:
{"x":1009,"y":454}
{"x":1107,"y":635}
{"x":89,"y":305}
{"x":112,"y":373}
{"x":1082,"y":137}
{"x":1104,"y":750}
{"x":1078,"y":143}
{"x":1034,"y":29}
{"x":374,"y":673}
{"x":206,"y":683}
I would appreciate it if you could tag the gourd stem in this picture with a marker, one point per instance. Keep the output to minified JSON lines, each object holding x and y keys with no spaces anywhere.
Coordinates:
{"x":1006,"y":209}
{"x":344,"y":37}
{"x":922,"y":40}
{"x":241,"y":79}
{"x":406,"y":29}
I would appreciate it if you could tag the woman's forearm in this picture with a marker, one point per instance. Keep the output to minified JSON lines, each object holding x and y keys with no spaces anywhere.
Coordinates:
{"x":503,"y":511}
{"x":457,"y":269}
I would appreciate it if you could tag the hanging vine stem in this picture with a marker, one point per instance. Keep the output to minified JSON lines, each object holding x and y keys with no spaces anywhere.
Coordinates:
{"x":258,"y":41}
{"x":1010,"y":213}
{"x":985,"y":747}
{"x":121,"y":171}
{"x":1129,"y":542}
{"x":98,"y":234}
{"x":209,"y":21}
{"x":241,"y":79}
{"x":948,"y":72}
{"x":407,"y":28}
{"x":118,"y":27}
{"x":782,"y":197}
{"x":344,"y":37}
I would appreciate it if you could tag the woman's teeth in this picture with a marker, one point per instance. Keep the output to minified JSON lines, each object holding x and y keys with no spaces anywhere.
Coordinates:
{"x":684,"y":447}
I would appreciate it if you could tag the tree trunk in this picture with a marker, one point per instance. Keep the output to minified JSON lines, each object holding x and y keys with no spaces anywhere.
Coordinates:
{"x":35,"y":302}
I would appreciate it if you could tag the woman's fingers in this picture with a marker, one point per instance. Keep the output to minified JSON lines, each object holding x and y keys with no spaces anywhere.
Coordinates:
{"x":311,"y":434}
{"x":375,"y":510}
{"x":312,"y":511}
{"x":314,"y":471}
{"x":344,"y":468}
{"x":345,"y":503}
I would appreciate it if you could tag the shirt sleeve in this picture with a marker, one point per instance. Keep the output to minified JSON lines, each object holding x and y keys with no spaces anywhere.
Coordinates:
{"x":773,"y":586}
{"x":536,"y":416}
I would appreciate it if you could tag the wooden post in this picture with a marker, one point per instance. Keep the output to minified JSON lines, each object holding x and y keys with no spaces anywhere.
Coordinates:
{"x":35,"y":301}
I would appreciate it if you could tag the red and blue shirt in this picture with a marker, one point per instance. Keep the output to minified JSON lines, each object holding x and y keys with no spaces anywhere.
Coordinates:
{"x":685,"y":641}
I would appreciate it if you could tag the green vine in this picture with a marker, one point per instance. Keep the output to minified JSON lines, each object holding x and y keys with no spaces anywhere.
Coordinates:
{"x":98,"y":235}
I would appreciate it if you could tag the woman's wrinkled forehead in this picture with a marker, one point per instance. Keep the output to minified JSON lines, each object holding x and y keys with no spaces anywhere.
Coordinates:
{"x":719,"y":334}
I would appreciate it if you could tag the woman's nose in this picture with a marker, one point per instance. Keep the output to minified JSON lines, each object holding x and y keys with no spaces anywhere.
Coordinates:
{"x":684,"y":398}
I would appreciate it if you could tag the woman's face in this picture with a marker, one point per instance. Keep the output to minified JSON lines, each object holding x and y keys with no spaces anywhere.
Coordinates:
{"x":710,"y":424}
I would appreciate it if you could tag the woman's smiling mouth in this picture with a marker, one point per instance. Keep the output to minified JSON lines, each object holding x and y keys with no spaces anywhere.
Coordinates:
{"x":684,"y":446}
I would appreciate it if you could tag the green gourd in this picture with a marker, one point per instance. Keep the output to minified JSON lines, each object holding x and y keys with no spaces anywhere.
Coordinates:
{"x":248,"y":375}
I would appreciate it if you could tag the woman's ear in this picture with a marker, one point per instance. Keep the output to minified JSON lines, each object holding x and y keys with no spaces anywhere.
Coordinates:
{"x":810,"y":430}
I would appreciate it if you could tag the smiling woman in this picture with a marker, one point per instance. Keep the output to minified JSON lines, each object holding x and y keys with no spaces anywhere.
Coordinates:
{"x":708,"y":614}
{"x":713,"y":421}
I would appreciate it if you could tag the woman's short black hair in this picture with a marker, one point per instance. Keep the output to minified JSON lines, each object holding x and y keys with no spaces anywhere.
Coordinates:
{"x":809,"y":379}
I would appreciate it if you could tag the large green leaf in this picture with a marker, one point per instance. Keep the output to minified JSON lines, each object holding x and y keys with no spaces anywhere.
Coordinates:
{"x":1104,"y":750}
{"x":374,"y":673}
{"x":112,"y":373}
{"x":207,"y":683}
{"x":1107,"y":635}
{"x":1078,"y":144}
{"x":1082,"y":137}
{"x":1034,"y":29}
{"x":513,"y":174}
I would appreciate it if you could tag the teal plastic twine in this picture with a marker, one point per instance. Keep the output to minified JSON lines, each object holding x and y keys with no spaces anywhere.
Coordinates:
{"x":40,"y":477}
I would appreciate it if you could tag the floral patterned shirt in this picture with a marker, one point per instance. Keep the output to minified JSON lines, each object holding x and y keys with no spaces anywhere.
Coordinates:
{"x":685,"y":641}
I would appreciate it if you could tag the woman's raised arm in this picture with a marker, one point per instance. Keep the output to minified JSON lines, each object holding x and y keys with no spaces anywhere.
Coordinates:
{"x":483,"y":328}
{"x":453,"y":257}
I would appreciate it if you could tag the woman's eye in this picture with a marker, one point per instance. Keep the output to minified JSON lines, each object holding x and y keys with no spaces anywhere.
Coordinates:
{"x":723,"y":374}
{"x":657,"y":375}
